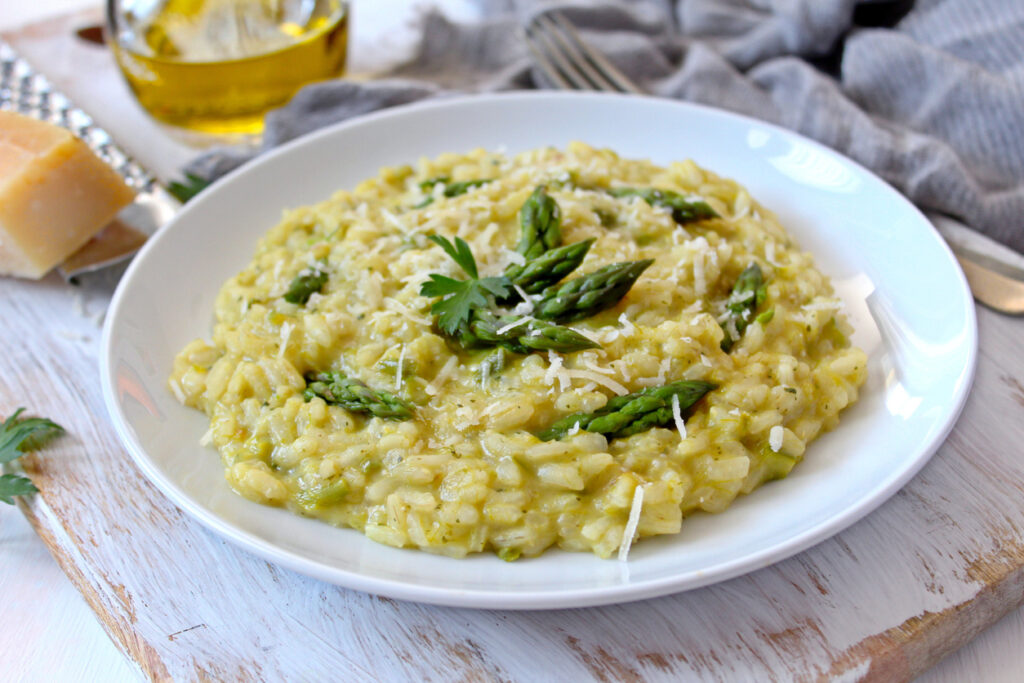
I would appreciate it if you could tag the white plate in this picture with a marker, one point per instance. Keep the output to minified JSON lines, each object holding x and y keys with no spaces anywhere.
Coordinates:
{"x":904,"y":292}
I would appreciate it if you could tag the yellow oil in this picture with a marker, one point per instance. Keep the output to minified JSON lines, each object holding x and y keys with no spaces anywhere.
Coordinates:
{"x":217,"y":66}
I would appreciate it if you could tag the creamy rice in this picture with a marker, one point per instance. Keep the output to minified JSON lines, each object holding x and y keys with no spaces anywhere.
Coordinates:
{"x":467,"y":473}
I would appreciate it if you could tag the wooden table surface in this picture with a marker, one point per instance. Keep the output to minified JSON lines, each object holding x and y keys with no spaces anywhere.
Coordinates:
{"x":884,"y":600}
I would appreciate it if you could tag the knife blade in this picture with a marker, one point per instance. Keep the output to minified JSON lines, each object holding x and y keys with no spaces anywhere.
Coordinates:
{"x":998,"y":285}
{"x":28,"y":92}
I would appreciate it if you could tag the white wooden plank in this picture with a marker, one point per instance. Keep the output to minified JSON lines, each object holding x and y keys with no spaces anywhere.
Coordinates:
{"x":41,"y":609}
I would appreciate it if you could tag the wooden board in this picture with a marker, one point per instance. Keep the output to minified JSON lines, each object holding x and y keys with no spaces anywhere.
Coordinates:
{"x":882,"y":601}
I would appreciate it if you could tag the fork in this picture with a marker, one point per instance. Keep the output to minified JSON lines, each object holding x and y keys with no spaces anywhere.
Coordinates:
{"x":570,"y":64}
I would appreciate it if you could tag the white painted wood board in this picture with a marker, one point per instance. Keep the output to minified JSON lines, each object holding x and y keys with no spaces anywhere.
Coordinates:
{"x":881,"y":601}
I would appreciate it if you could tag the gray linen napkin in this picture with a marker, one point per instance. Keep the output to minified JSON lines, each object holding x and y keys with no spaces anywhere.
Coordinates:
{"x":931,"y":99}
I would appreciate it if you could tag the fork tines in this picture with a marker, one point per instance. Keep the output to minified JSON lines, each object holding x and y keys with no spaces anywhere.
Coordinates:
{"x":569,"y":62}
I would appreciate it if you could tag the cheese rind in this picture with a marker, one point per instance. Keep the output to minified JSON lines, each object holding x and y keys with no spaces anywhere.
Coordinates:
{"x":54,"y":195}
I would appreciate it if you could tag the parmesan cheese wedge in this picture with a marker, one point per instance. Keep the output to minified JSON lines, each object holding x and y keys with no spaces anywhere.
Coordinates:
{"x":55,"y":194}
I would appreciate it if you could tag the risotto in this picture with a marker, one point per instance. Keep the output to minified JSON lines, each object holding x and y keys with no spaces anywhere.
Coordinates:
{"x":500,"y":353}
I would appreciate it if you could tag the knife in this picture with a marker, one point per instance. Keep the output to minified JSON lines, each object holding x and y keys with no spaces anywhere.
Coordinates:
{"x":26,"y":91}
{"x":996,"y":284}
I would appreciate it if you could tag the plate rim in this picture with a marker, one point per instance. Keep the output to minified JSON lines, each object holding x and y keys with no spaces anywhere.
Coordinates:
{"x":534,"y":600}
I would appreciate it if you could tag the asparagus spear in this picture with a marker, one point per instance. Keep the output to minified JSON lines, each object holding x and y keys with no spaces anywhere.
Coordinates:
{"x":323,"y":495}
{"x":590,"y":294}
{"x":494,"y":363}
{"x":633,"y":413}
{"x":306,"y":284}
{"x":450,"y":189}
{"x":355,"y":396}
{"x":683,"y":210}
{"x":460,"y":188}
{"x":521,"y":334}
{"x":539,"y":273}
{"x":747,"y":294}
{"x":540,"y":225}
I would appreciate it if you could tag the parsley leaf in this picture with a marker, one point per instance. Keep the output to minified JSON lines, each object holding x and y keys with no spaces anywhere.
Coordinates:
{"x":461,"y":297}
{"x":14,"y":485}
{"x":192,"y":185}
{"x":17,"y":437}
{"x":460,"y":253}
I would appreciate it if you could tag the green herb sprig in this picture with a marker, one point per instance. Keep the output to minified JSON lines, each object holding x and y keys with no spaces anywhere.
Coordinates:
{"x":17,"y":437}
{"x":460,"y":298}
{"x":192,"y":185}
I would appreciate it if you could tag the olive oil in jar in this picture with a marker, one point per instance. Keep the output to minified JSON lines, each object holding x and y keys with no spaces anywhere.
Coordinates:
{"x":217,"y":66}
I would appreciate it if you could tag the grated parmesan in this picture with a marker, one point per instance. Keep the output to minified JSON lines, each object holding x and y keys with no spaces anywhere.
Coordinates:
{"x":627,"y":326}
{"x":442,"y":377}
{"x":526,"y":306}
{"x":555,"y":370}
{"x":591,"y":365}
{"x":398,"y":370}
{"x":401,"y":309}
{"x":775,"y":437}
{"x":514,"y":257}
{"x":485,"y":375}
{"x":663,"y":368}
{"x":623,"y":369}
{"x":584,"y":334}
{"x":827,"y":305}
{"x":207,"y":438}
{"x":598,"y":379}
{"x":286,"y":334}
{"x":505,"y":328}
{"x":730,"y":327}
{"x":700,"y":285}
{"x":677,"y":415}
{"x":176,"y":389}
{"x":631,"y":524}
{"x":394,"y":220}
{"x":484,"y":238}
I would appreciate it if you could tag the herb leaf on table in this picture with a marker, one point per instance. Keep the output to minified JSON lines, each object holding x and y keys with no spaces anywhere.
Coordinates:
{"x":17,"y":437}
{"x":189,"y":188}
